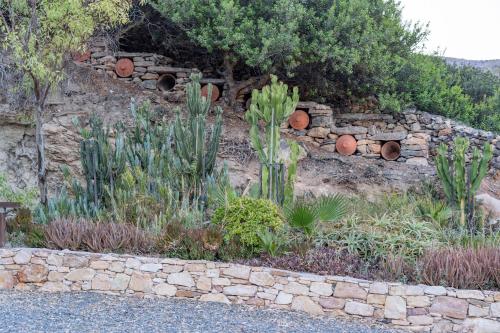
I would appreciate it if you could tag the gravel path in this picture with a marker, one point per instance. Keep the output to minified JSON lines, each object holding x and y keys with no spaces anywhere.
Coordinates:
{"x":91,"y":312}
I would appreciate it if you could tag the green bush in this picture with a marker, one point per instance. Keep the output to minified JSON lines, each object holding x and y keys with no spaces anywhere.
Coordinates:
{"x":246,"y":218}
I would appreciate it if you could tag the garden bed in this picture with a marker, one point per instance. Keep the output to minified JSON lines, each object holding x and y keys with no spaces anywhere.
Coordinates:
{"x":415,"y":307}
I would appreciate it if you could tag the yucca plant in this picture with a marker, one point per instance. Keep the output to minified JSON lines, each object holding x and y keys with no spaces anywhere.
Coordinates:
{"x":461,"y":182}
{"x":306,"y":215}
{"x":271,"y":242}
{"x":437,"y":212}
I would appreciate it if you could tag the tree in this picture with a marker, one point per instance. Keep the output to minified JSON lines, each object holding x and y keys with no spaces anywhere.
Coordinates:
{"x":361,"y":40}
{"x":38,"y":34}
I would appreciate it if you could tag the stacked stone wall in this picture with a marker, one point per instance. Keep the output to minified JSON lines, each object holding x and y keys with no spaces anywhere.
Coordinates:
{"x":417,"y":308}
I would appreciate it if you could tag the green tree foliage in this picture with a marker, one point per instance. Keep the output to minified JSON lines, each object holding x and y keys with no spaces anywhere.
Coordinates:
{"x":344,"y":47}
{"x":461,"y":182}
{"x":37,"y":36}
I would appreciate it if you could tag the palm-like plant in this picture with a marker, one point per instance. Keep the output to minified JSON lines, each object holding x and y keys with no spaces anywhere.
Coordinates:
{"x":305,"y":215}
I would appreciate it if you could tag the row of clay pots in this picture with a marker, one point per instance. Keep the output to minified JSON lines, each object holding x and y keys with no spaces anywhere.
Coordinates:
{"x":346,"y":145}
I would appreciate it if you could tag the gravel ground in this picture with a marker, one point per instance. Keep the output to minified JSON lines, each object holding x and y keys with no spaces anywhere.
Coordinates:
{"x":91,"y":312}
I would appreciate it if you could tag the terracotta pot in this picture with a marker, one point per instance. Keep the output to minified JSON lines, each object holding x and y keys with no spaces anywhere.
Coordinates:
{"x":124,"y":67}
{"x":215,"y":92}
{"x":346,"y":145}
{"x":391,"y":150}
{"x":166,"y":82}
{"x":299,"y":120}
{"x":81,"y":57}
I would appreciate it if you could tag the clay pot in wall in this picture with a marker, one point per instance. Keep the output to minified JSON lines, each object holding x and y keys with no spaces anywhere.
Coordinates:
{"x":124,"y":67}
{"x":299,"y":120}
{"x":81,"y":57}
{"x":215,"y":92}
{"x":391,"y":150}
{"x":166,"y":82}
{"x":346,"y":145}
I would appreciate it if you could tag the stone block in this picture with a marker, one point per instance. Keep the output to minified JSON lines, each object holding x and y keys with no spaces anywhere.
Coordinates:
{"x":240,"y":272}
{"x":360,"y":309}
{"x":261,"y":279}
{"x":219,"y":298}
{"x":395,"y":307}
{"x":181,"y":279}
{"x":318,"y":132}
{"x":450,"y":306}
{"x":349,"y":290}
{"x":321,"y":288}
{"x":306,"y":304}
{"x":240,"y":290}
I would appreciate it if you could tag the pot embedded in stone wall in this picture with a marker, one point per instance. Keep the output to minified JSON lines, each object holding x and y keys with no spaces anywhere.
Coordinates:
{"x":166,"y":82}
{"x":391,"y":150}
{"x":299,"y":120}
{"x":215,"y":92}
{"x":81,"y":56}
{"x":124,"y":67}
{"x":346,"y":145}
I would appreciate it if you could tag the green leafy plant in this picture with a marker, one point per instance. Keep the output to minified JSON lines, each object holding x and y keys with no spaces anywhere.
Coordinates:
{"x":305,"y":216}
{"x":435,"y":211}
{"x":246,"y":218}
{"x":26,"y":197}
{"x":461,"y":182}
{"x":273,"y":106}
{"x":271,"y":242}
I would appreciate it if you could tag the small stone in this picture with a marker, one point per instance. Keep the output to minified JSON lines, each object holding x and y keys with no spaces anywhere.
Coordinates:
{"x":360,"y":309}
{"x":267,"y":296}
{"x":240,"y":290}
{"x":22,"y":257}
{"x":332,"y":303}
{"x":450,"y":306}
{"x":54,"y":287}
{"x":306,"y":304}
{"x":477,"y":311}
{"x":474,"y":294}
{"x":164,"y":289}
{"x":349,"y":130}
{"x":421,"y":161}
{"x":195,"y":268}
{"x":132,"y":263}
{"x":55,"y":260}
{"x":149,"y":84}
{"x":74,"y":261}
{"x":101,"y":282}
{"x":204,"y":283}
{"x":221,"y":282}
{"x":418,"y":301}
{"x":379,"y":288}
{"x":116,"y":267}
{"x":182,"y":279}
{"x":388,"y":136}
{"x":261,"y":279}
{"x":172,"y":268}
{"x":495,"y":309}
{"x":395,"y":307}
{"x":81,"y":274}
{"x":376,"y":299}
{"x":150,"y":76}
{"x":481,"y":325}
{"x":153,"y":268}
{"x":283,"y":298}
{"x":296,"y":288}
{"x":220,"y":298}
{"x":33,"y":273}
{"x":349,"y":290}
{"x":99,"y":264}
{"x":55,"y":276}
{"x":140,"y":282}
{"x":435,"y":290}
{"x":420,"y":320}
{"x":318,"y":132}
{"x":120,"y":282}
{"x":7,"y":280}
{"x":240,"y":272}
{"x":321,"y":288}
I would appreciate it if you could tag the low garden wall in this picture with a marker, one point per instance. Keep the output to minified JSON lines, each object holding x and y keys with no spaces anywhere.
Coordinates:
{"x":417,"y":308}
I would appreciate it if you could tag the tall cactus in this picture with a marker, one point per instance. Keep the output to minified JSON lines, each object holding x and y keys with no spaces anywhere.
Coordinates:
{"x":459,"y":183}
{"x":195,"y":153}
{"x":273,"y":106}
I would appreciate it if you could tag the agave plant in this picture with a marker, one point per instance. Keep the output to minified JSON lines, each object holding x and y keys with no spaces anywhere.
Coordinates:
{"x":306,"y":215}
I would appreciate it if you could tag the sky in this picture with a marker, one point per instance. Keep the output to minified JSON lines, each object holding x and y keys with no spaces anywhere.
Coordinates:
{"x":467,"y":29}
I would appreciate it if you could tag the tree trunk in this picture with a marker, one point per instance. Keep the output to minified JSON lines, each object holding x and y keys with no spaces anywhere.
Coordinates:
{"x":235,"y":87}
{"x":40,"y":150}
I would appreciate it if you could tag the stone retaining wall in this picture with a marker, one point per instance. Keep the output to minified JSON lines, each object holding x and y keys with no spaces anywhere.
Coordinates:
{"x":418,"y":133}
{"x":417,"y":308}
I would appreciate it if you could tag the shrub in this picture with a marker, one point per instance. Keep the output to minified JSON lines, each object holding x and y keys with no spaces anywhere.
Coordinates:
{"x":246,"y":218}
{"x":24,"y":231}
{"x":97,"y":237}
{"x":458,"y":267}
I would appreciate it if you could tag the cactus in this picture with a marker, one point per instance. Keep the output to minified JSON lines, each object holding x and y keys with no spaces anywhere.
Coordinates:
{"x":273,"y":106}
{"x":459,"y":183}
{"x":195,"y":154}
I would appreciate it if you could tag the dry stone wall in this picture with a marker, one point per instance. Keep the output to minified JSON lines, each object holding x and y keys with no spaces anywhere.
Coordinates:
{"x":418,"y":308}
{"x":418,"y":133}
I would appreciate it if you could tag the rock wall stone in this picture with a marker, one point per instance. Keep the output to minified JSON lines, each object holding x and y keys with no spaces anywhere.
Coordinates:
{"x":418,"y":308}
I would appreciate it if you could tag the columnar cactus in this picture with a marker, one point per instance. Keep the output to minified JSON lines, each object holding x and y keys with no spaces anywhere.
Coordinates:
{"x":460,"y":185}
{"x":273,"y":106}
{"x":196,"y":155}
